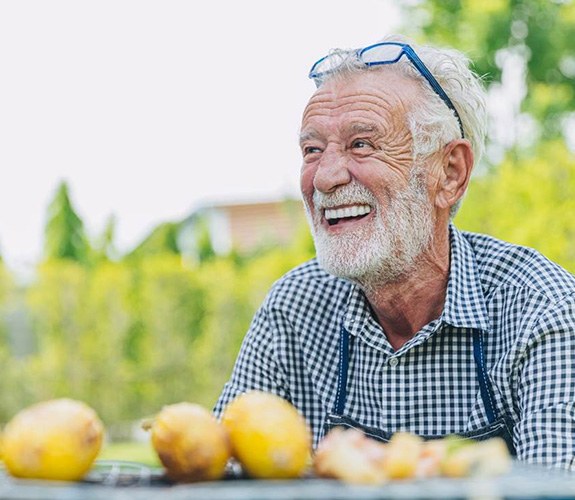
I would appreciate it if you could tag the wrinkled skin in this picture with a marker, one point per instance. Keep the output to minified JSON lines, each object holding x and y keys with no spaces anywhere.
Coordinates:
{"x":355,"y":133}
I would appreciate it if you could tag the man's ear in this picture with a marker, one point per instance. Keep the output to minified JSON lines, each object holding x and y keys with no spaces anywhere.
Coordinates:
{"x":457,"y":163}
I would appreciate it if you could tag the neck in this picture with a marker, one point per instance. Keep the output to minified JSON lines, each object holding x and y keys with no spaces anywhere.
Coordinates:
{"x":406,"y":305}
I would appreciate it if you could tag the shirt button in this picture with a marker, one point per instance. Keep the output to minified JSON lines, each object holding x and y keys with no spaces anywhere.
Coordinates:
{"x":393,"y":362}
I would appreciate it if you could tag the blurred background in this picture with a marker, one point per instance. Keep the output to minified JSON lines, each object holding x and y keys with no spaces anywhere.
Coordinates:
{"x":150,"y":164}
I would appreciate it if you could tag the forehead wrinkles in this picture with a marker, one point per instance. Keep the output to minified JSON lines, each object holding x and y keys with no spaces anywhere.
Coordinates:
{"x":382,"y":108}
{"x":359,"y":101}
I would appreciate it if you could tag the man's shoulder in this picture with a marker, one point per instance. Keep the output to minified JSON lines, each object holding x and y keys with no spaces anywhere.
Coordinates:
{"x":311,"y":274}
{"x":501,"y":263}
{"x":307,"y":278}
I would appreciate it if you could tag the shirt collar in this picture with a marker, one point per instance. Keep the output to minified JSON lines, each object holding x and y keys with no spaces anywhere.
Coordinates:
{"x":464,"y":301}
{"x":359,"y":321}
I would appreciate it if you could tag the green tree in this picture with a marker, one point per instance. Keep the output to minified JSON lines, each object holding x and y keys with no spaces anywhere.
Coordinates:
{"x":536,"y":35}
{"x":205,"y":248}
{"x":528,"y":202}
{"x":162,"y":240}
{"x":55,"y":303}
{"x":130,"y":336}
{"x":168,"y":311}
{"x":105,"y":247}
{"x":65,"y":237}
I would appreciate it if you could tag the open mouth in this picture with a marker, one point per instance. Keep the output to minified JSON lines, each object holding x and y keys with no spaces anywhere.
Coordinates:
{"x":337,"y":215}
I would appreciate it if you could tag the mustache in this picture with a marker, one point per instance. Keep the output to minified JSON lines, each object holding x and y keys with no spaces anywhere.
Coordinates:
{"x":349,"y":194}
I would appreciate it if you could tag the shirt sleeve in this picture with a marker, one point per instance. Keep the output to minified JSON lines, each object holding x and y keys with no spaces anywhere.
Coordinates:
{"x":546,"y":391}
{"x":257,"y":366}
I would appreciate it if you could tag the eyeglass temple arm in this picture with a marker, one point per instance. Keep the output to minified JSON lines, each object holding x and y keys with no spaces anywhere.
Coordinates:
{"x":419,"y":64}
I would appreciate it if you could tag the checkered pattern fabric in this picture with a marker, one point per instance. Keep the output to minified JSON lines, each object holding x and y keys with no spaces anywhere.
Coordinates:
{"x":524,"y":303}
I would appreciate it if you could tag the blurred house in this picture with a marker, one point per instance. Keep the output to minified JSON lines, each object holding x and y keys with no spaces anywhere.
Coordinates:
{"x":242,"y":227}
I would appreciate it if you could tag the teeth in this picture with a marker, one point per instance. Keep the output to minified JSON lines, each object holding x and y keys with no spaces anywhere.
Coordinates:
{"x":340,"y":213}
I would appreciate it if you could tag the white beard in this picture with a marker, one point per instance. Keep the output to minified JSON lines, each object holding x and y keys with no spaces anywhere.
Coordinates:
{"x":383,"y":249}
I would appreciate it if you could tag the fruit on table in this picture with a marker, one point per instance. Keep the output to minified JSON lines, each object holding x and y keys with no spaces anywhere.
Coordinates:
{"x":190,"y":443}
{"x":350,"y":456}
{"x":269,"y":437}
{"x":484,"y":458}
{"x":402,"y":455}
{"x":57,"y":439}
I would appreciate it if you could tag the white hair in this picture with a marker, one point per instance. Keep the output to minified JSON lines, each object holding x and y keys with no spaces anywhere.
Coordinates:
{"x":433,"y":125}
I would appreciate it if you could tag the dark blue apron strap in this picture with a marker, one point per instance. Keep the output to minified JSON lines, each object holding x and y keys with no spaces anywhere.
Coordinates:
{"x":497,"y":426}
{"x":484,"y":385}
{"x":341,"y":394}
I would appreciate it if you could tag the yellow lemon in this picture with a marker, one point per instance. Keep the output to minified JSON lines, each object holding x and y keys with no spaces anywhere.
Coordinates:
{"x":190,"y":443}
{"x":57,"y":439}
{"x":269,"y":437}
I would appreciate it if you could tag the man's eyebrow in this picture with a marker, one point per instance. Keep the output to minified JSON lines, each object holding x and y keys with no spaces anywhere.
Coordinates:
{"x":307,"y":135}
{"x":355,"y":128}
{"x":363,"y":128}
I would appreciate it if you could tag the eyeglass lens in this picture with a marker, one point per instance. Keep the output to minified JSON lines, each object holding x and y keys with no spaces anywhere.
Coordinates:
{"x":381,"y":54}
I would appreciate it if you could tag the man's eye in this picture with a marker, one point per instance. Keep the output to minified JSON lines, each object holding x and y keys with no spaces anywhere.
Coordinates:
{"x":310,"y":150}
{"x":360,"y":144}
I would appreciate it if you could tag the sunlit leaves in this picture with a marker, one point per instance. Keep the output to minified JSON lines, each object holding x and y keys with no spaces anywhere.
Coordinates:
{"x":528,"y":201}
{"x":541,"y":30}
{"x":65,"y":237}
{"x":129,"y":337}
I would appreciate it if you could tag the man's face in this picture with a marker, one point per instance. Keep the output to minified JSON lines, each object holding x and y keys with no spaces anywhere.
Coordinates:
{"x":368,"y":206}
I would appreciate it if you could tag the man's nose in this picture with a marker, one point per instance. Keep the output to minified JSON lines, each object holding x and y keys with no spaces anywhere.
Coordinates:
{"x":332,"y":172}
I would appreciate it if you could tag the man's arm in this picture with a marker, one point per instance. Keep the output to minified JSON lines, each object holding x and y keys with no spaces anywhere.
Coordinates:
{"x":546,"y":390}
{"x":256,"y":367}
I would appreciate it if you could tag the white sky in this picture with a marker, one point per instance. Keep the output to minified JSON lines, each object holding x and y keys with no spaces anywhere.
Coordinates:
{"x":149,"y":108}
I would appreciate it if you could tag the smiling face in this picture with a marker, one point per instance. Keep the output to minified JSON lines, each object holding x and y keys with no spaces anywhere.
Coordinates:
{"x":368,"y":205}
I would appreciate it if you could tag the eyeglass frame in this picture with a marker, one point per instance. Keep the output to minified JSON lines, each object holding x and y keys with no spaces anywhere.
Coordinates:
{"x":413,"y":58}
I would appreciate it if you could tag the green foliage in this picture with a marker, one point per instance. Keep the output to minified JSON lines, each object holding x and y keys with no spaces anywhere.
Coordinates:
{"x":162,"y":240}
{"x":540,"y":31}
{"x":169,"y":308}
{"x":104,"y":246}
{"x":205,"y":248}
{"x":528,"y":201}
{"x":64,"y":235}
{"x":130,"y":336}
{"x":131,"y":451}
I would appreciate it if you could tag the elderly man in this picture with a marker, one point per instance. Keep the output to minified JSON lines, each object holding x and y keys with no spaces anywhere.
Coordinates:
{"x":404,"y":322}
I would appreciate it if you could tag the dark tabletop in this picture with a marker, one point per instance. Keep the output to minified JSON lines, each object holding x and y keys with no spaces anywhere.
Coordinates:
{"x":130,"y":481}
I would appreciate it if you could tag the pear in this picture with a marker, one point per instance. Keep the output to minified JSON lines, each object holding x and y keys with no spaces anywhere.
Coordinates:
{"x":190,"y":443}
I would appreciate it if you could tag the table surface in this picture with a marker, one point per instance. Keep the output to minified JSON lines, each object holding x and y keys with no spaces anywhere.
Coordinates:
{"x":126,"y":480}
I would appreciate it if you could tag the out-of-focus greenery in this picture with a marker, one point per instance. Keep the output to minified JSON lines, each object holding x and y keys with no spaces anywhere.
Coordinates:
{"x":65,"y":237}
{"x":539,"y":34}
{"x":524,"y":193}
{"x":528,"y":201}
{"x":130,"y":334}
{"x":131,"y":451}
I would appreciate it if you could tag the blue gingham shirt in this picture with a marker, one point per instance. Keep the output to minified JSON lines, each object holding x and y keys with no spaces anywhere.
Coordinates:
{"x":524,"y":303}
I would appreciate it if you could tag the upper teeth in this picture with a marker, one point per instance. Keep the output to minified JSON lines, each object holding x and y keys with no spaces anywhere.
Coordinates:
{"x":353,"y":211}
